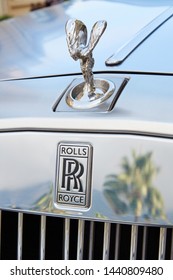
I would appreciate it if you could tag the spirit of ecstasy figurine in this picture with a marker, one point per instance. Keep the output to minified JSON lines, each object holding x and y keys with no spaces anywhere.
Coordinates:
{"x":77,"y":44}
{"x":91,"y":92}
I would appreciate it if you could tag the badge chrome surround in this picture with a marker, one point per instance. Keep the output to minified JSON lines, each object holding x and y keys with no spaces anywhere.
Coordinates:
{"x":73,"y":182}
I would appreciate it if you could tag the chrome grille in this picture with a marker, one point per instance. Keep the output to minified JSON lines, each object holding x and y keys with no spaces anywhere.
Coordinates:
{"x":30,"y":236}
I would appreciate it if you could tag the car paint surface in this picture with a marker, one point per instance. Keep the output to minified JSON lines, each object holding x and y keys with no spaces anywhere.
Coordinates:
{"x":35,"y":45}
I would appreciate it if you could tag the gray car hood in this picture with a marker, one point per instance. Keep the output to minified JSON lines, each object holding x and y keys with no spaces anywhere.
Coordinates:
{"x":35,"y":44}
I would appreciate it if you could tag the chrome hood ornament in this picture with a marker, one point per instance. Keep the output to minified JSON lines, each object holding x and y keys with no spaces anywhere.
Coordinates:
{"x":91,"y":92}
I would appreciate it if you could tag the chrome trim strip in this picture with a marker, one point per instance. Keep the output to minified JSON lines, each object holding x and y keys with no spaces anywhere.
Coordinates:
{"x":80,"y":242}
{"x":106,"y":241}
{"x":0,"y":231}
{"x":91,"y":241}
{"x":134,"y":240}
{"x":66,"y":238}
{"x":139,"y":38}
{"x":117,"y":241}
{"x":162,"y":243}
{"x":144,"y":243}
{"x":20,"y":236}
{"x":43,"y":237}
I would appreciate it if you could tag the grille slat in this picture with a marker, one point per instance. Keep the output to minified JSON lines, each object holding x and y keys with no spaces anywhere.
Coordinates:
{"x":106,"y":241}
{"x":134,"y":240}
{"x":30,"y":236}
{"x":162,"y":243}
{"x":91,"y":240}
{"x":117,"y":241}
{"x":66,"y":238}
{"x":20,"y":236}
{"x":80,"y":242}
{"x":43,"y":238}
{"x":144,"y":243}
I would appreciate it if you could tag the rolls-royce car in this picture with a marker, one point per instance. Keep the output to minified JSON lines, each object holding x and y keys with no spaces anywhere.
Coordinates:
{"x":86,"y":128}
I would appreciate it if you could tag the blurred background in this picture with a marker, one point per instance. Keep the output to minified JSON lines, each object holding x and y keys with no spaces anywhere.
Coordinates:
{"x":10,"y":8}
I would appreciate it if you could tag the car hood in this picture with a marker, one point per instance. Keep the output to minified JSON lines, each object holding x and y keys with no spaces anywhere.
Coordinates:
{"x":35,"y":44}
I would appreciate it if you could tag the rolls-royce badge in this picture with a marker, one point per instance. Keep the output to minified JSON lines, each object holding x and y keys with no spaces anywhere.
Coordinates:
{"x":73,"y":175}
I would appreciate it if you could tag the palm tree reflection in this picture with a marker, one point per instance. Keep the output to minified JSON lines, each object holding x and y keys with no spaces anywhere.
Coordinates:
{"x":44,"y":202}
{"x":132,"y":190}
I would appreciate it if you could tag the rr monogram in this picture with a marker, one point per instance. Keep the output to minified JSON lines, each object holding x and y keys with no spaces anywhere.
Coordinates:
{"x":71,"y":175}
